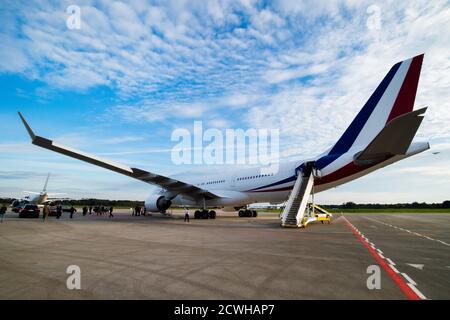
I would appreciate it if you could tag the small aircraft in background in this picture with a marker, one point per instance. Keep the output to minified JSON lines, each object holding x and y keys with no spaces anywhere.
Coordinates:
{"x":38,"y":198}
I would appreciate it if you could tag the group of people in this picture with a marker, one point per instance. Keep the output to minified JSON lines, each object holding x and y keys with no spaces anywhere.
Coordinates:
{"x":138,"y":211}
{"x":59,"y":210}
{"x":99,"y":210}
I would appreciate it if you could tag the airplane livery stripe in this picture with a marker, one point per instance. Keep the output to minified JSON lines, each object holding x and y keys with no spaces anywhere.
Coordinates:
{"x":292,"y":178}
{"x":397,"y":89}
{"x":349,"y":136}
{"x":405,"y":100}
{"x":349,"y":169}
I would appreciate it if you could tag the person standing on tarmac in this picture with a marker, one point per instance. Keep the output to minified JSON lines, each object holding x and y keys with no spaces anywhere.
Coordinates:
{"x":111,"y":212}
{"x":45,"y":212}
{"x":58,"y":211}
{"x":72,"y":211}
{"x":3,"y":211}
{"x":85,"y":210}
{"x":186,"y":214}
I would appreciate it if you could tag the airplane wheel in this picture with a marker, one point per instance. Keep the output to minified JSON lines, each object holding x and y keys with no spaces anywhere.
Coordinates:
{"x":197,"y":214}
{"x":212,"y":214}
{"x":241,"y":213}
{"x":248,"y":213}
{"x":255,"y":214}
{"x":205,"y":214}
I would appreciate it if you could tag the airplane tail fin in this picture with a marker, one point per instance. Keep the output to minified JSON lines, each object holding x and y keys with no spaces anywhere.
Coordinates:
{"x":393,"y":97}
{"x":45,"y":185}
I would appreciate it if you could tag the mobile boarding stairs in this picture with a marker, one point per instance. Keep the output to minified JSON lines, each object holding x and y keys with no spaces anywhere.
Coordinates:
{"x":297,"y":212}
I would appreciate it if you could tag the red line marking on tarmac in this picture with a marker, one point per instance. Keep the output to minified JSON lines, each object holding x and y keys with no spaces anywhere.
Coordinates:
{"x":410,"y":294}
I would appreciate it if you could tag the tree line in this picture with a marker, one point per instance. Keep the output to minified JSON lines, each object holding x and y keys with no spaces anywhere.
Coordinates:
{"x":413,"y":205}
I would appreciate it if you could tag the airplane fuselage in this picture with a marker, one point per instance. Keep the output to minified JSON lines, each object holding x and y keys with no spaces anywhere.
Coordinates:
{"x":244,"y":186}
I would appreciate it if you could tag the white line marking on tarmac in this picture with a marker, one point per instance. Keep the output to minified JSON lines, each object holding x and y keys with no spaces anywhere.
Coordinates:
{"x":417,"y":266}
{"x":390,"y":261}
{"x":406,"y":230}
{"x":393,"y":268}
{"x":409,"y":279}
{"x":420,"y":294}
{"x":410,"y":282}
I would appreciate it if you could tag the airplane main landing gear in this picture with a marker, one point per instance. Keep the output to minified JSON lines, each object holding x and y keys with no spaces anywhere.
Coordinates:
{"x":248,"y":213}
{"x":204,"y":214}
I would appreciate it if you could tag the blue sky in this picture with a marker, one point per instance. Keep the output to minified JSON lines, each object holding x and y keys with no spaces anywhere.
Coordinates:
{"x":135,"y":71}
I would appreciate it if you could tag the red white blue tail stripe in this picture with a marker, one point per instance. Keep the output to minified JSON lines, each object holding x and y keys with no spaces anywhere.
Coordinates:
{"x":394,"y":96}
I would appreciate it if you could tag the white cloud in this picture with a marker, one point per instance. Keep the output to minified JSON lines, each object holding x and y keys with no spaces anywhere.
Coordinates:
{"x":123,"y":139}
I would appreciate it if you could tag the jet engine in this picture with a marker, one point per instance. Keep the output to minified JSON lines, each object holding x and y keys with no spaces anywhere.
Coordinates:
{"x":157,"y":203}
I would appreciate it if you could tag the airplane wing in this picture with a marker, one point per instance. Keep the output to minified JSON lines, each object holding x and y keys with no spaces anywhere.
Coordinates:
{"x":31,"y":192}
{"x":169,"y":184}
{"x":394,"y":139}
{"x":49,"y":200}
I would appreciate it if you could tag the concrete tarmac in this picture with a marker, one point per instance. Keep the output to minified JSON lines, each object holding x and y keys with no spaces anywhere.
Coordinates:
{"x":157,"y":257}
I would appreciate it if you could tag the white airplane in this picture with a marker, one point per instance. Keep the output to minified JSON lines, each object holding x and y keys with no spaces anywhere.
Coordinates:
{"x":379,"y":135}
{"x":39,"y":198}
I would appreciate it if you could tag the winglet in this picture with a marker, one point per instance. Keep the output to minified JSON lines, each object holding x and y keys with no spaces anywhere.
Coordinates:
{"x":30,"y":132}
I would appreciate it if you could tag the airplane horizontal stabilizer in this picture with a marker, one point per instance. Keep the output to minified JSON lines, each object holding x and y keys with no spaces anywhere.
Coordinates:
{"x":394,"y":139}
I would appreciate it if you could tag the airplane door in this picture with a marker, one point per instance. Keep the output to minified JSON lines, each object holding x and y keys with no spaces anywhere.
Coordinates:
{"x":233,"y":182}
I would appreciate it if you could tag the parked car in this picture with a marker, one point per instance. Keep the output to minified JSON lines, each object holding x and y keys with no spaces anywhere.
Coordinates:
{"x":17,"y":205}
{"x":17,"y":208}
{"x":29,"y":211}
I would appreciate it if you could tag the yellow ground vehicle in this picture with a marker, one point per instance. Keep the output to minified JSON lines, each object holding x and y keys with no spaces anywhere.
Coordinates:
{"x":315,"y":213}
